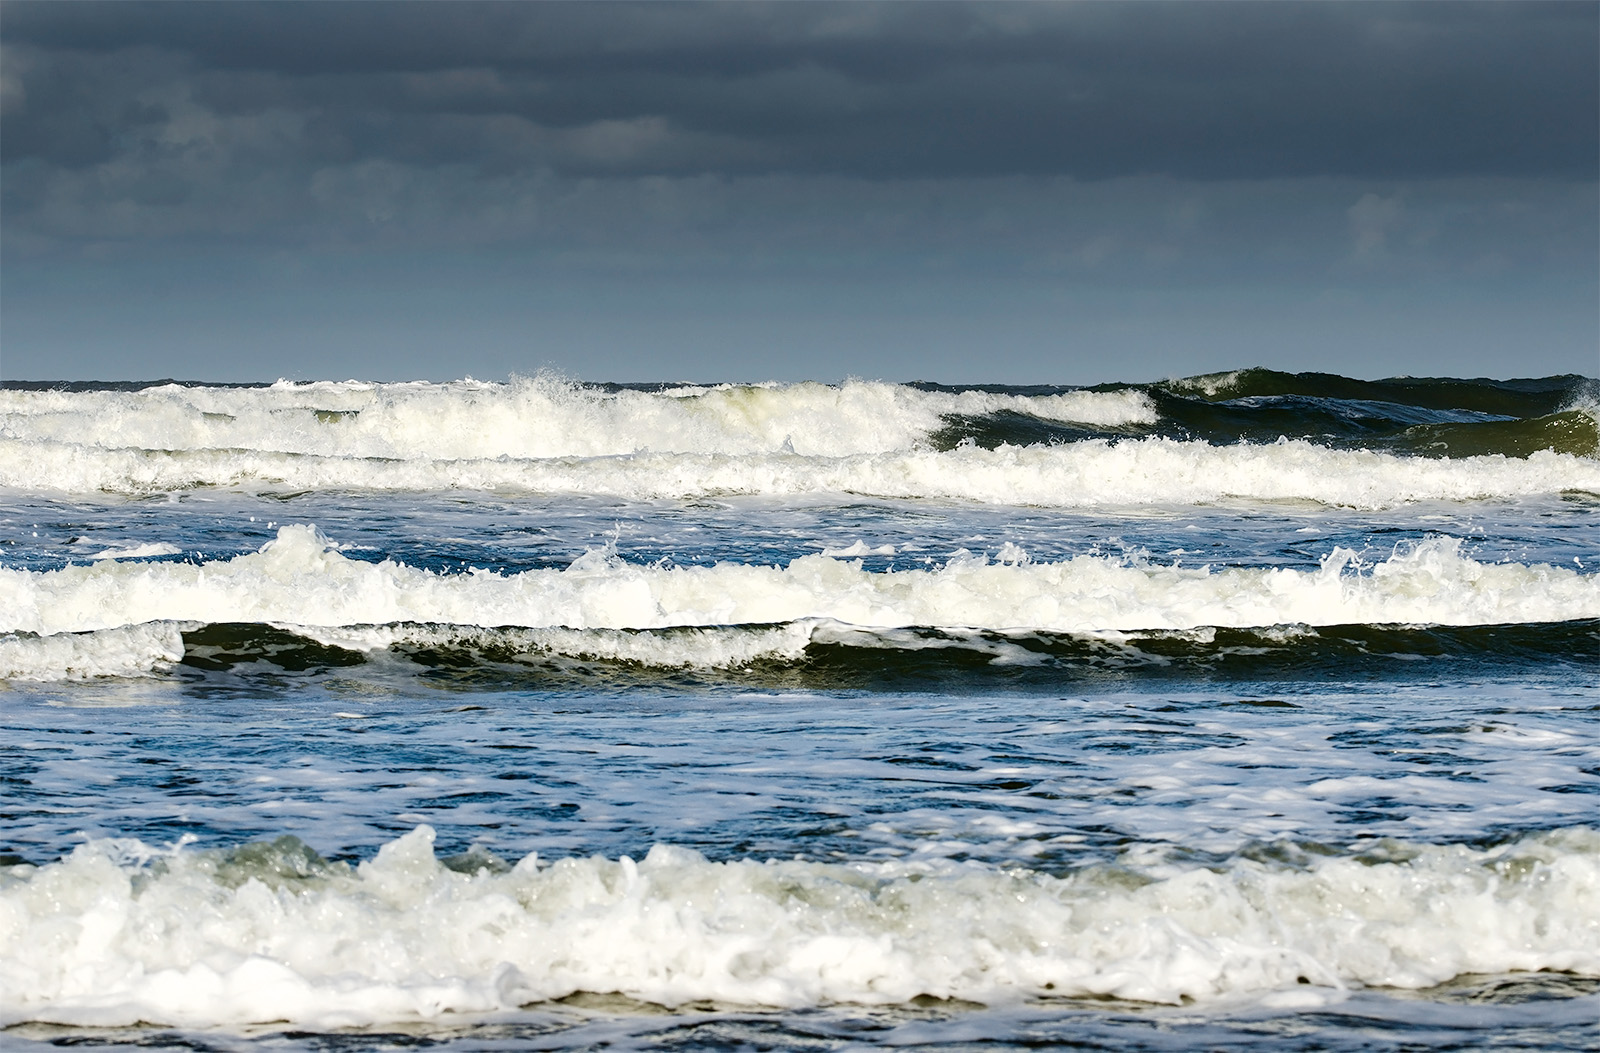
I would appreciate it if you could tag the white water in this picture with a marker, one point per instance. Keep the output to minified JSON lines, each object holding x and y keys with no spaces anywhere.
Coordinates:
{"x":196,"y":940}
{"x":710,"y":647}
{"x":536,"y":417}
{"x":548,"y":435}
{"x":1092,"y":473}
{"x":130,"y":650}
{"x":301,"y":579}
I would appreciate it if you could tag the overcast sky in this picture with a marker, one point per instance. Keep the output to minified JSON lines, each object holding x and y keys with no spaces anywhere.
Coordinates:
{"x":1025,"y":193}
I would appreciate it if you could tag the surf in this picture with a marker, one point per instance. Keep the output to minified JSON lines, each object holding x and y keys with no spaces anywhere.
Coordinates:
{"x":300,"y":577}
{"x":122,"y":932}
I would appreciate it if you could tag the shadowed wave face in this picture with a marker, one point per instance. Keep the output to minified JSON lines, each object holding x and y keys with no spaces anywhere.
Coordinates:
{"x":1422,"y":416}
{"x":816,"y":656}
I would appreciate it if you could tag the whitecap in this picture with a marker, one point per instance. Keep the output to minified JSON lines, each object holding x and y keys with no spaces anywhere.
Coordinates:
{"x":301,"y":578}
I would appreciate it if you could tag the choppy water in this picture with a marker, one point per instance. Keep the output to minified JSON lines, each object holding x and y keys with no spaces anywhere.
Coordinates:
{"x":1254,"y":710}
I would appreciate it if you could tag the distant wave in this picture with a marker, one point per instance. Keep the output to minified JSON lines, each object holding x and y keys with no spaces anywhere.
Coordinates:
{"x":1509,"y":398}
{"x":121,"y":932}
{"x":1090,"y":473}
{"x":1171,"y":443}
{"x":537,"y":417}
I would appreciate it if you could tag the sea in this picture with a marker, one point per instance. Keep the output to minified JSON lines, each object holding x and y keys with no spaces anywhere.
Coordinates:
{"x":1254,"y":710}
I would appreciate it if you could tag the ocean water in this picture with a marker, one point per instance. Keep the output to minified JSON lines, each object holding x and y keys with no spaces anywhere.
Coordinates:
{"x":1253,"y":710}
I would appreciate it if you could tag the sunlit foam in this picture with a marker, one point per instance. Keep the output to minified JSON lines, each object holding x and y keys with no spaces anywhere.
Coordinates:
{"x":119,"y":932}
{"x":301,"y":579}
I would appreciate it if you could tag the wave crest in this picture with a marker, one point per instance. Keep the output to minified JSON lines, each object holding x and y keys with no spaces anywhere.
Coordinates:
{"x":300,"y":579}
{"x":530,"y":418}
{"x":1094,"y":473}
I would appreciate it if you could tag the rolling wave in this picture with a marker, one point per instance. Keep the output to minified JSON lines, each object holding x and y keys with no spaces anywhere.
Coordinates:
{"x":1510,"y":398}
{"x":1087,"y":474}
{"x":814,"y":654}
{"x":301,"y":579}
{"x":1273,"y":437}
{"x":546,"y":416}
{"x":529,"y":418}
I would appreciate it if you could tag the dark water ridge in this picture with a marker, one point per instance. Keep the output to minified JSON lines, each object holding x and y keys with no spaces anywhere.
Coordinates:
{"x":1513,"y":398}
{"x":1525,"y":397}
{"x":1431,"y":418}
{"x":1336,"y":425}
{"x":831,"y":656}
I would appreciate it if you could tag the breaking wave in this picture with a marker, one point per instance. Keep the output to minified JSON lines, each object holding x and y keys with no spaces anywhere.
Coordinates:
{"x":813,"y":654}
{"x":1091,"y":473}
{"x":531,"y":418}
{"x":301,"y":579}
{"x":129,"y":650}
{"x":119,"y":932}
{"x":1175,"y":442}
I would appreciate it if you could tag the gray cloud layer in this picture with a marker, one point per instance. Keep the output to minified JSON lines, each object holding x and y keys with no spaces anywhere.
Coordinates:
{"x":1446,"y":148}
{"x":1249,"y":91}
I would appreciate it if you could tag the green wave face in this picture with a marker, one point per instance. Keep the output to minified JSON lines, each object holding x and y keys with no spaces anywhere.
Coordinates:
{"x":1421,"y":417}
{"x":1509,"y":398}
{"x":841,"y":657}
{"x":1574,"y":431}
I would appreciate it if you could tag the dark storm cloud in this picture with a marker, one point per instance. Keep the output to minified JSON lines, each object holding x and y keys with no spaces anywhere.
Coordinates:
{"x":1191,"y":91}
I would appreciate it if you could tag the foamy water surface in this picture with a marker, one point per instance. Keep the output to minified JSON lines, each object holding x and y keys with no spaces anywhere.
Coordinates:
{"x":1223,"y":712}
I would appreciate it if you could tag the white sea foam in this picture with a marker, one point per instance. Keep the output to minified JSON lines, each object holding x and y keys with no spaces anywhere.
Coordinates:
{"x":710,"y":647}
{"x":144,"y":551}
{"x":1209,"y":383}
{"x":545,"y":434}
{"x":201,"y":939}
{"x":138,"y":650}
{"x":1094,"y":473}
{"x":299,"y":578}
{"x":131,"y":650}
{"x":859,"y":548}
{"x":537,"y":417}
